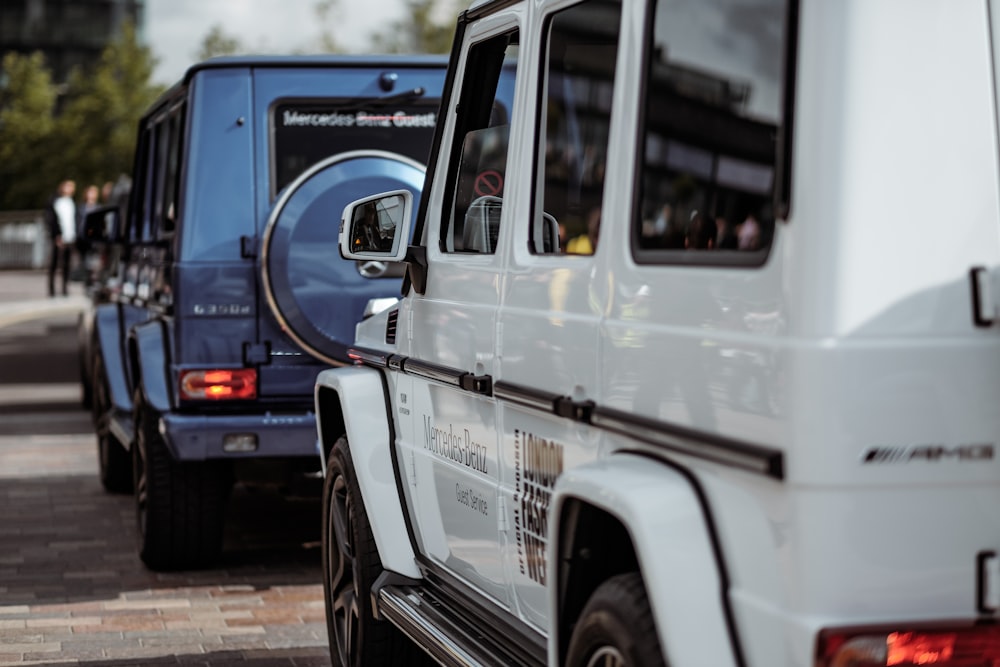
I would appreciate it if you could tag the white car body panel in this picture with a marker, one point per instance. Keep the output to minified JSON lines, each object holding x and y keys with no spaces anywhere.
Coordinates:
{"x":360,"y":391}
{"x":816,"y":435}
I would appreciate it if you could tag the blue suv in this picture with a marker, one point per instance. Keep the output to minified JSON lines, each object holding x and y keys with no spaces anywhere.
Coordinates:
{"x":230,"y":294}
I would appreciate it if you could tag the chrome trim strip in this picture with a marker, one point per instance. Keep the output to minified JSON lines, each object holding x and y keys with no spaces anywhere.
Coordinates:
{"x":529,"y":398}
{"x":366,"y":356}
{"x":433,"y":371}
{"x":753,"y":458}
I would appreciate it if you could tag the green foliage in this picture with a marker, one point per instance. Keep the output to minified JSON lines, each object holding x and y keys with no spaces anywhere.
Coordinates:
{"x":90,"y":140}
{"x":428,"y":26}
{"x":326,"y":13}
{"x":218,"y":43}
{"x":27,"y":104}
{"x":99,"y":121}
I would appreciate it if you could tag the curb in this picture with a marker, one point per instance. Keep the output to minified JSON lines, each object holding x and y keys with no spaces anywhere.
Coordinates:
{"x":26,"y":311}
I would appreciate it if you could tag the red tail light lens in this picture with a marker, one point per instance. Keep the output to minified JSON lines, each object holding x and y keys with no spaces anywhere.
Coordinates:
{"x":219,"y":385}
{"x":940,"y":646}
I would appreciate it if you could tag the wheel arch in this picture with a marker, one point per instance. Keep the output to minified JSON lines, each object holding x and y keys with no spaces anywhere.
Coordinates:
{"x":348,"y":400}
{"x":149,"y":360}
{"x":109,"y":345}
{"x":658,"y":523}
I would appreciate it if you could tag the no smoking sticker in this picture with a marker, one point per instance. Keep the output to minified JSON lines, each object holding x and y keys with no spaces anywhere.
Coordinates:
{"x":488,"y":183}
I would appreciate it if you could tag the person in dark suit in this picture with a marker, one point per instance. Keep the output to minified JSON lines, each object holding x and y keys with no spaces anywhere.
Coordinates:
{"x":61,"y":219}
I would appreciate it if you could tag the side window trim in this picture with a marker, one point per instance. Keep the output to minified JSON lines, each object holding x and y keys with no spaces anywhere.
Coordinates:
{"x":585,"y":120}
{"x":480,"y":139}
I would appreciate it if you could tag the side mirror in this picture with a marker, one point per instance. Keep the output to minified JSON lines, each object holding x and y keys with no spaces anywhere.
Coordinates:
{"x":377,"y":227}
{"x":102,"y":225}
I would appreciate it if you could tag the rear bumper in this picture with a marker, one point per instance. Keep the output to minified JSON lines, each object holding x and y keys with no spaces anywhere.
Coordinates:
{"x":201,"y":437}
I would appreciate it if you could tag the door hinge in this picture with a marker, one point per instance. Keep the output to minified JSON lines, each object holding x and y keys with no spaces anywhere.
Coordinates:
{"x":988,"y":582}
{"x":248,"y":247}
{"x":502,"y":524}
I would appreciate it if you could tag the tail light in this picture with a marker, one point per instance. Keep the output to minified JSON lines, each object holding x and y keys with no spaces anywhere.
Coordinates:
{"x":940,"y":645}
{"x":219,"y":385}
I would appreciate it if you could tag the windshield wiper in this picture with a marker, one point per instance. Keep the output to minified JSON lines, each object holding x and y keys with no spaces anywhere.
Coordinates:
{"x":377,"y":102}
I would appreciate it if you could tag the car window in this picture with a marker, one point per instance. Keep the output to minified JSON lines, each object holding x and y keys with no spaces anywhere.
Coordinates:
{"x":479,"y":154}
{"x":710,"y":137}
{"x":575,"y":117}
{"x":138,"y":202}
{"x":167,"y":196}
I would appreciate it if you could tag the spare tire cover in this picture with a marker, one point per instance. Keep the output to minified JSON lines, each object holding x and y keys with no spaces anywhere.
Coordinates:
{"x":317,"y":296}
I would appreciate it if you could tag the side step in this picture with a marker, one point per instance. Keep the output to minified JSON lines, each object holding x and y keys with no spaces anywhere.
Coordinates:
{"x":120,"y":426}
{"x":448,"y":635}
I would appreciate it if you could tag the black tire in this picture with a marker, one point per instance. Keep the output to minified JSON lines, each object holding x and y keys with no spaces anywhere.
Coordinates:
{"x":180,"y":506}
{"x":86,"y":388}
{"x":350,"y":566}
{"x":616,"y":627}
{"x":113,"y":459}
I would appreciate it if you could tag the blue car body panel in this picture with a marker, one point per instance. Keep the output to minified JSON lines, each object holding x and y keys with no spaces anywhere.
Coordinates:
{"x":248,"y":274}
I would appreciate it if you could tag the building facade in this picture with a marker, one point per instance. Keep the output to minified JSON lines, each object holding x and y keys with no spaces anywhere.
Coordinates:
{"x":69,"y":33}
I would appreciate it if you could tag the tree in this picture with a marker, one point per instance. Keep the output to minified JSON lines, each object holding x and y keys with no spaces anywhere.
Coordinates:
{"x":96,"y":132}
{"x":425,"y":28}
{"x":27,"y":105}
{"x":218,"y":43}
{"x":326,"y":11}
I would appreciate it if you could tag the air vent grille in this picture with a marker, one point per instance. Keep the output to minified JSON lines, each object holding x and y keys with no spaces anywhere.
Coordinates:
{"x":390,"y":327}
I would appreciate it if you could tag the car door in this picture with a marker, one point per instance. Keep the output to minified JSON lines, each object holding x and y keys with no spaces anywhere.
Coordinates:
{"x":447,"y":443}
{"x":556,"y":291}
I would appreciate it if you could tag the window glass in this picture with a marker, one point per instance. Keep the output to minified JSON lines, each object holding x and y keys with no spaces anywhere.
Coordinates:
{"x":479,"y":154}
{"x":582,"y":44}
{"x":137,"y":197}
{"x":167,"y":207}
{"x":143,"y":230}
{"x":160,"y":168}
{"x":305,"y":132}
{"x":711,"y":127}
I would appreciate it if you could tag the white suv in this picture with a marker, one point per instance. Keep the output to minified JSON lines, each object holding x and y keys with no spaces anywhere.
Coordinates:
{"x":698,"y":360}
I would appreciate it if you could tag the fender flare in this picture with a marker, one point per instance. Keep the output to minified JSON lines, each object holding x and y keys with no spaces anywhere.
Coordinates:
{"x":675,"y":548}
{"x":108,"y":339}
{"x":149,"y":354}
{"x":347,"y":402}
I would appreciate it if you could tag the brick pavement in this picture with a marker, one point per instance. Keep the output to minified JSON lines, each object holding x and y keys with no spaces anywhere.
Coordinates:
{"x":73,"y":591}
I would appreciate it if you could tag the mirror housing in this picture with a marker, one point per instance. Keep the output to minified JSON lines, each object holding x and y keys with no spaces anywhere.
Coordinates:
{"x":377,"y":227}
{"x":102,"y":225}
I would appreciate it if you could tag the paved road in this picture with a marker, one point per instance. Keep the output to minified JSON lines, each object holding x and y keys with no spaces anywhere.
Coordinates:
{"x":72,"y":590}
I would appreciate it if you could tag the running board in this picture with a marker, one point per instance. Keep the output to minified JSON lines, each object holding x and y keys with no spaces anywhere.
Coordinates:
{"x":454,"y":640}
{"x":120,"y":426}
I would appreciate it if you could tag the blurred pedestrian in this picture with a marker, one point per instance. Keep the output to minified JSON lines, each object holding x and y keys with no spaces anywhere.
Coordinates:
{"x":88,"y":204}
{"x":84,"y":241}
{"x":61,"y":218}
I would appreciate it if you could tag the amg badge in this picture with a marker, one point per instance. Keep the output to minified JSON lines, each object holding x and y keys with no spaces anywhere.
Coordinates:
{"x":928,"y":453}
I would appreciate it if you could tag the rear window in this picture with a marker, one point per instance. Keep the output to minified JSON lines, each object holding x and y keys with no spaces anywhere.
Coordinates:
{"x":712,"y":130}
{"x":306,"y":132}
